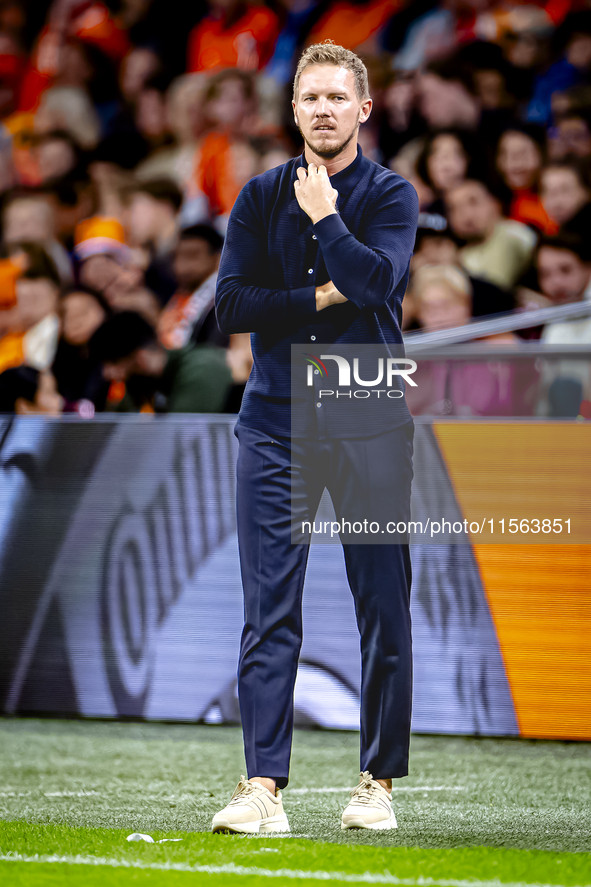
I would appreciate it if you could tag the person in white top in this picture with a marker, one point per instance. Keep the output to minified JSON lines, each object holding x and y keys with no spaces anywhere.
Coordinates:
{"x":564,"y":274}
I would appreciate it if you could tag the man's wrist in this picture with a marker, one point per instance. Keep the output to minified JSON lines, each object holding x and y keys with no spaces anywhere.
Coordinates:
{"x":322,"y":214}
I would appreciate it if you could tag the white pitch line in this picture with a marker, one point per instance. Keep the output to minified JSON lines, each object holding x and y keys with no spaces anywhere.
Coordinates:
{"x":231,"y":869}
{"x":402,"y":788}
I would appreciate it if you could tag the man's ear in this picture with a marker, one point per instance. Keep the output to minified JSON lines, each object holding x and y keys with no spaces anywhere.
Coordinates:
{"x":295,"y":113}
{"x":365,"y":110}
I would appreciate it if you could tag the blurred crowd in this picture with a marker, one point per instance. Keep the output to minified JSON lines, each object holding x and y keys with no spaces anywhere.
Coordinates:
{"x":128,"y":128}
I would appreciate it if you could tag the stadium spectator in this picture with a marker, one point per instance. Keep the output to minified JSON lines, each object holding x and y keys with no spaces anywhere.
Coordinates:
{"x":226,"y":159}
{"x":434,"y":247}
{"x":564,"y":269}
{"x":565,"y":189}
{"x":137,"y":67}
{"x":496,"y":249}
{"x":571,"y":135}
{"x":520,"y":155}
{"x":70,"y":109}
{"x":26,"y":391}
{"x":152,"y":222}
{"x":442,"y":296}
{"x":57,"y":155}
{"x":564,"y":272}
{"x":571,"y":68}
{"x":236,"y":34}
{"x":447,"y":97}
{"x":29,"y":217}
{"x":443,"y":163}
{"x":185,"y":122}
{"x":82,"y":311}
{"x":151,"y":119}
{"x":352,"y":24}
{"x":106,"y":264}
{"x":190,"y":314}
{"x":35,"y":325}
{"x":194,"y":379}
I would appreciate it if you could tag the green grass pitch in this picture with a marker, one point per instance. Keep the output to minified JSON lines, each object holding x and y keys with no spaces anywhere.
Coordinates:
{"x":473,"y":812}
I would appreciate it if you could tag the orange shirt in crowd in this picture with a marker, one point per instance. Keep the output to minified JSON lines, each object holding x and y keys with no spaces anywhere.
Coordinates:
{"x":172,"y":319}
{"x":215,"y":173}
{"x":350,"y":25}
{"x":11,"y":351}
{"x":247,"y":44}
{"x":527,"y":207}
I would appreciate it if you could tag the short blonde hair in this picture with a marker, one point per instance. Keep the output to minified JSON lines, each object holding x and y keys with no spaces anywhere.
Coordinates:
{"x":453,"y":279}
{"x":329,"y":53}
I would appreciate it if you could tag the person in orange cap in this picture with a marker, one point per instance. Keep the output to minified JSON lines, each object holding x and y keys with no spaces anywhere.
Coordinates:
{"x":106,"y":265}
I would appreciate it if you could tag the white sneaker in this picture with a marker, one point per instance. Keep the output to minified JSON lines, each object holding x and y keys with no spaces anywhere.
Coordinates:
{"x":370,"y":806}
{"x":252,"y":809}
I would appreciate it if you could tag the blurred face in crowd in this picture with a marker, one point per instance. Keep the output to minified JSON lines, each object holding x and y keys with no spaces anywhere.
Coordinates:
{"x":29,"y":220}
{"x":441,"y":307}
{"x":81,"y":317}
{"x":194,"y":261}
{"x":492,"y":89}
{"x":148,"y":361}
{"x":147,"y":218}
{"x":137,"y":67}
{"x":99,"y":272}
{"x":519,"y":160}
{"x":150,"y":114}
{"x":36,"y":299}
{"x":435,"y":251}
{"x":563,"y":194}
{"x":473,"y":211}
{"x":578,"y":51}
{"x":563,"y":276}
{"x":55,"y":158}
{"x":447,"y":164}
{"x":328,"y":110}
{"x":230,"y":105}
{"x":572,"y":137}
{"x":446,"y":103}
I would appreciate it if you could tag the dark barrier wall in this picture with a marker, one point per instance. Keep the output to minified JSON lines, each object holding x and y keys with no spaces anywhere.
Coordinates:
{"x":120,"y":586}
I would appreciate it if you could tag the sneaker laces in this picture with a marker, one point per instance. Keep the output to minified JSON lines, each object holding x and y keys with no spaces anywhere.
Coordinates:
{"x":368,"y":791}
{"x":243,"y":789}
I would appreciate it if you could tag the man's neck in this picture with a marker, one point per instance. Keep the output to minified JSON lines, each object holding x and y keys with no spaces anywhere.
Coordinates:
{"x":333,"y":164}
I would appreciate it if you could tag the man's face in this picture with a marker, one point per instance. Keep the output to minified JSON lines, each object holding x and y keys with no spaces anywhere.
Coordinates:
{"x":563,"y":276}
{"x":473,"y":212}
{"x":328,"y":110}
{"x":193,"y":263}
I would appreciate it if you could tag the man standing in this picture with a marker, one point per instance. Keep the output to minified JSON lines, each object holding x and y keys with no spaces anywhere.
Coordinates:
{"x":318,"y":251}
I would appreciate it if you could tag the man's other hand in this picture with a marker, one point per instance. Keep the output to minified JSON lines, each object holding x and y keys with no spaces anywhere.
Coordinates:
{"x":328,"y":294}
{"x":314,"y":193}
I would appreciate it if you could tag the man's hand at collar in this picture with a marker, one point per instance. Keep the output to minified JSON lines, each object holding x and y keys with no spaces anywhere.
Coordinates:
{"x":314,"y":193}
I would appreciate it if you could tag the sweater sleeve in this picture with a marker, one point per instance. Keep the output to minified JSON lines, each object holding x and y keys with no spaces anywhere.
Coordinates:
{"x":240,"y":306}
{"x":368,"y":273}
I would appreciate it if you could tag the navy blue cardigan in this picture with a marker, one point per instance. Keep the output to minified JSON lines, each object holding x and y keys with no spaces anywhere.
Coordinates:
{"x":273,"y":259}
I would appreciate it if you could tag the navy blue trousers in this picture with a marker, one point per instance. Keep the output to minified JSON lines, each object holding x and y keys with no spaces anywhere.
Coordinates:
{"x":273,"y":571}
